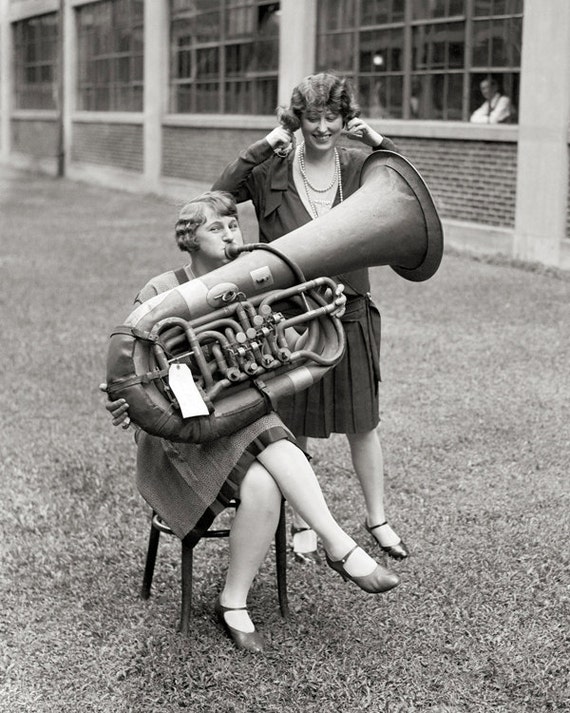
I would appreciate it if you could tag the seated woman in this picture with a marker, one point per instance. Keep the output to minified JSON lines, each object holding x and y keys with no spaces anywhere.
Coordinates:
{"x":188,"y":484}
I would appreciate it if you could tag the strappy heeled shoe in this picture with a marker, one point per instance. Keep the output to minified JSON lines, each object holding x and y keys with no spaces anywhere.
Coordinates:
{"x":310,"y":557}
{"x":399,"y":551}
{"x":244,"y":640}
{"x":380,"y":580}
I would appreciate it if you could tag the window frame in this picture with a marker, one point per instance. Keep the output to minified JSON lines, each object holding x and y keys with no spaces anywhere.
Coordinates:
{"x":110,"y":78}
{"x":249,"y":81}
{"x":410,"y":24}
{"x":42,"y":93}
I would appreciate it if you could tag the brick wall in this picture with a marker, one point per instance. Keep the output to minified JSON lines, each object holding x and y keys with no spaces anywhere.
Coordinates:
{"x":199,"y":154}
{"x":473,"y":181}
{"x":118,"y":145}
{"x":469,"y":180}
{"x":37,"y":138}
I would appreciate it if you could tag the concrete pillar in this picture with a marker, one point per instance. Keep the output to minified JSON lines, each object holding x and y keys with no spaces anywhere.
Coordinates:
{"x":69,"y":79}
{"x":544,"y":111}
{"x":155,"y":87}
{"x":297,"y":42}
{"x":5,"y":80}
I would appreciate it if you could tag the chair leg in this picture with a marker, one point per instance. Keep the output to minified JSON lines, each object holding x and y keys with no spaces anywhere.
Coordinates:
{"x":150,"y":561}
{"x":281,"y":562}
{"x":186,"y":607}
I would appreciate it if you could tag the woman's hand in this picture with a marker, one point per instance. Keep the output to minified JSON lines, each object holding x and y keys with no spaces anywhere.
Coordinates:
{"x":118,"y":410}
{"x":280,"y":140}
{"x":339,"y":301}
{"x":358,"y":130}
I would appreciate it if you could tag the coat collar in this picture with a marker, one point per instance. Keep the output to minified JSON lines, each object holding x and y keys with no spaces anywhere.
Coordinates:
{"x":280,"y":179}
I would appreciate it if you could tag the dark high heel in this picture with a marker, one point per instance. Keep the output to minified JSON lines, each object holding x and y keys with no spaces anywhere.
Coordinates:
{"x":380,"y":580}
{"x":244,"y":640}
{"x":399,"y":551}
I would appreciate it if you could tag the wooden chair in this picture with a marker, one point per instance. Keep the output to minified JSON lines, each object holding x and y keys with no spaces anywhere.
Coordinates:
{"x":189,"y":542}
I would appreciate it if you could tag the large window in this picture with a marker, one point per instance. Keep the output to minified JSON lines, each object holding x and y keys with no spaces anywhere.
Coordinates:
{"x":110,"y":55}
{"x":224,"y":56}
{"x":422,"y":59}
{"x":35,"y":62}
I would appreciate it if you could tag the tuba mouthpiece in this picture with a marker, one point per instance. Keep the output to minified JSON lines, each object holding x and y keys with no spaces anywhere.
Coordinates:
{"x":233,"y":251}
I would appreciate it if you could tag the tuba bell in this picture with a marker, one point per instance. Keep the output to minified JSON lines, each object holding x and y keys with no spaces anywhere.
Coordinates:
{"x":228,"y":325}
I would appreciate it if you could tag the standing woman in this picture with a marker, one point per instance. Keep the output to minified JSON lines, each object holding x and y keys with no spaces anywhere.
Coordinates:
{"x":289,"y":186}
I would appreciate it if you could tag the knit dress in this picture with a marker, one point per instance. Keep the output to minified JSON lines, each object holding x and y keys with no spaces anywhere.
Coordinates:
{"x":188,"y":484}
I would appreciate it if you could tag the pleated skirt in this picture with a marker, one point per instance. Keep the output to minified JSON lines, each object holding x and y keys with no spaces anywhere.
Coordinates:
{"x":346,"y":399}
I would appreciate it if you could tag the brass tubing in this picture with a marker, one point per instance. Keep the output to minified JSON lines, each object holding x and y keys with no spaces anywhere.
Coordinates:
{"x":219,"y":324}
{"x":329,"y":325}
{"x":199,"y":357}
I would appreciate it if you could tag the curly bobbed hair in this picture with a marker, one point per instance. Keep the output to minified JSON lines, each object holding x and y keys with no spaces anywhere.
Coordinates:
{"x":193,"y":215}
{"x":324,"y":91}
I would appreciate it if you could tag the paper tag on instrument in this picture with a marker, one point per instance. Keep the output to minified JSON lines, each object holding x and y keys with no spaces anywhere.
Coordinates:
{"x":183,"y":387}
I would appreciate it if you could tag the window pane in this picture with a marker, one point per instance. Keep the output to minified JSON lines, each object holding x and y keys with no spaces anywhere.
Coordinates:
{"x":207,"y":63}
{"x":240,"y":22}
{"x":267,"y":96}
{"x":454,"y":98}
{"x":506,"y":43}
{"x":380,"y":12}
{"x":248,"y":44}
{"x":336,"y":14}
{"x":238,"y":59}
{"x":483,"y":7}
{"x":507,"y":84}
{"x":380,"y":97}
{"x":207,"y":27}
{"x":207,"y":100}
{"x":110,"y":55}
{"x":239,"y":97}
{"x":497,"y":42}
{"x":335,"y":52}
{"x":35,"y":62}
{"x":497,"y":7}
{"x":266,"y":46}
{"x":381,"y":50}
{"x":435,"y":9}
{"x":481,"y":42}
{"x":438,"y":46}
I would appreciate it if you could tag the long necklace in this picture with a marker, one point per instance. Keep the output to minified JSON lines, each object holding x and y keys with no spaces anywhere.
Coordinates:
{"x":313,"y":202}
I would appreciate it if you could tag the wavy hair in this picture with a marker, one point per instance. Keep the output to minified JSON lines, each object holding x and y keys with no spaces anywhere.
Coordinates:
{"x":319,"y":91}
{"x":193,"y":215}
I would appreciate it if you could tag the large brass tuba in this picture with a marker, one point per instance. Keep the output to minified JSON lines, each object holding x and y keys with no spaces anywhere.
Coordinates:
{"x":225,"y":324}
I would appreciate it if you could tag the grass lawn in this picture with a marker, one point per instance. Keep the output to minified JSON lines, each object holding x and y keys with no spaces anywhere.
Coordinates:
{"x":475,"y":402}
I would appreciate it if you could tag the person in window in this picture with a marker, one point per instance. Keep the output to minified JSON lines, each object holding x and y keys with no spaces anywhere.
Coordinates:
{"x":188,"y":484}
{"x":496,"y":109}
{"x":290,"y":186}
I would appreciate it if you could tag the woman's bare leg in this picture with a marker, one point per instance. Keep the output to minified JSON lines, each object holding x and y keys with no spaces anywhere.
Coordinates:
{"x":251,"y":535}
{"x":304,"y":541}
{"x":368,"y":462}
{"x":296,"y":479}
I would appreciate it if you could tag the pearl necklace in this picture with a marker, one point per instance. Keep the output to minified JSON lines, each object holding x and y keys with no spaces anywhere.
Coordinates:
{"x":313,"y":202}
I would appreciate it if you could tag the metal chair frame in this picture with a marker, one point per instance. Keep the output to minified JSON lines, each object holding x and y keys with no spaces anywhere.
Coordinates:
{"x":158,"y":526}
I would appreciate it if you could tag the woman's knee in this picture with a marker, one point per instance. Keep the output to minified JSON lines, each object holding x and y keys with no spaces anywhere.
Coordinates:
{"x":362,"y":440}
{"x":259,"y":489}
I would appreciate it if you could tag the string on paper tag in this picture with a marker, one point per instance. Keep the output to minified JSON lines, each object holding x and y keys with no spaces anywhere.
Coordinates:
{"x":183,"y":387}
